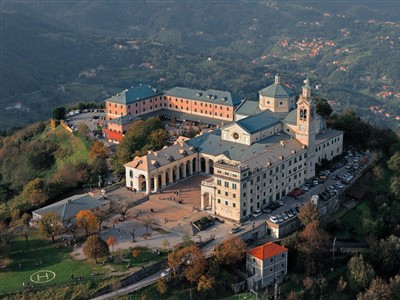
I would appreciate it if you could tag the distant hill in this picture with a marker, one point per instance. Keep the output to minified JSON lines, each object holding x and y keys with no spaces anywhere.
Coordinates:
{"x":348,"y":49}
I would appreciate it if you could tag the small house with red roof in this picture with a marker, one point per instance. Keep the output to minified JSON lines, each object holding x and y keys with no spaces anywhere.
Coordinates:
{"x":266,"y":264}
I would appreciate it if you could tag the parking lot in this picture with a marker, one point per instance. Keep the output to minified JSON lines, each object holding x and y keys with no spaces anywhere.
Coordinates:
{"x":327,"y":185}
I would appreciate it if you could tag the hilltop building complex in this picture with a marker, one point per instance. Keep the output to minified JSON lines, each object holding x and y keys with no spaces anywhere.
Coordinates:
{"x":262,"y":150}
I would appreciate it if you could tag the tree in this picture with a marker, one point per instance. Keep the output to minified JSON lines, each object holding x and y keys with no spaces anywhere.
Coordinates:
{"x":342,"y":284}
{"x":72,"y":228}
{"x":147,"y":222}
{"x":394,"y":163}
{"x":308,"y":283}
{"x":162,"y":286}
{"x":308,"y":213}
{"x":395,"y":186}
{"x":122,"y":209}
{"x":389,"y":254}
{"x":293,"y":296}
{"x":205,"y":283}
{"x":174,"y":260}
{"x":83,"y":130}
{"x":25,"y":234}
{"x":95,"y":247}
{"x":165,"y":244}
{"x":361,"y":273}
{"x":34,"y":192}
{"x":323,"y":108}
{"x":87,"y":220}
{"x":101,"y":216}
{"x":378,"y":289}
{"x":59,"y":113}
{"x":50,"y":225}
{"x":158,"y":138}
{"x":132,"y":233}
{"x":136,"y":253}
{"x":186,"y":240}
{"x":395,"y":286}
{"x":195,"y":264}
{"x":230,"y":251}
{"x":111,"y":242}
{"x":98,"y":150}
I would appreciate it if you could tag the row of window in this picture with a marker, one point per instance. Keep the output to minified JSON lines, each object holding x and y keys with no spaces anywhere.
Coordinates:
{"x":226,"y":202}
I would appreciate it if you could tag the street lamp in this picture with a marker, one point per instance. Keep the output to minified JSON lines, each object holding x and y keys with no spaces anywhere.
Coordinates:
{"x":333,"y":253}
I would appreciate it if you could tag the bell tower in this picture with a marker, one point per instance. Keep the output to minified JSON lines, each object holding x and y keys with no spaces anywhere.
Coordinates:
{"x":305,"y":131}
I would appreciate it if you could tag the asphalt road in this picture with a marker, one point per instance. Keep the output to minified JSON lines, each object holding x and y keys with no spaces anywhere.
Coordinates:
{"x":131,"y":288}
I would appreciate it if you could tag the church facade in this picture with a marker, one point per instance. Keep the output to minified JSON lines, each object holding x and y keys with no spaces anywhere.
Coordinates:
{"x":271,"y":147}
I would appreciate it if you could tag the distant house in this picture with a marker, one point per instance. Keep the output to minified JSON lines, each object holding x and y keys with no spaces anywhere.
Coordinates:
{"x":68,"y":208}
{"x":116,"y":128}
{"x":265,"y":264}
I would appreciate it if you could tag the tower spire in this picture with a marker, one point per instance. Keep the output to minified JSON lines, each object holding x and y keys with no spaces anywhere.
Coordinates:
{"x":306,"y":88}
{"x":277,"y":78}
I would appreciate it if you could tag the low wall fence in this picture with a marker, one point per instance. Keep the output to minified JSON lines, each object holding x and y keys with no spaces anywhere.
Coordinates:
{"x":66,"y":127}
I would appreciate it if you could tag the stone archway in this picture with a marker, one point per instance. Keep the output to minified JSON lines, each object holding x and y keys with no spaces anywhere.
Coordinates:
{"x":203,"y":165}
{"x":206,"y":201}
{"x":167,"y":179}
{"x":142,"y":183}
{"x":211,"y":166}
{"x":194,"y":165}
{"x":188,"y":168}
{"x":182,"y":171}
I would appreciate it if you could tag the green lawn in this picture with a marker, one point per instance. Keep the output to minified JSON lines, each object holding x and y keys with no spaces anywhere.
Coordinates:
{"x":146,"y":256}
{"x":241,"y":296}
{"x":57,"y":260}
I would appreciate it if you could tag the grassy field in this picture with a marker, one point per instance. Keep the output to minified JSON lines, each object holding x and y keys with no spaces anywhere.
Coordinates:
{"x":145,"y":256}
{"x":25,"y":261}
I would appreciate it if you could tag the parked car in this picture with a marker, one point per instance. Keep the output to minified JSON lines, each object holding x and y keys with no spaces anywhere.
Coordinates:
{"x":257,"y":213}
{"x":285,"y":216}
{"x":166,"y":272}
{"x":294,"y":211}
{"x":234,"y":230}
{"x":274,"y":219}
{"x":280,"y":218}
{"x":267,"y":210}
{"x":289,"y":213}
{"x":280,"y":203}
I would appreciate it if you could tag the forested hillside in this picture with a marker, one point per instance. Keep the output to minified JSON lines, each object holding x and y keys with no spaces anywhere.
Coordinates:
{"x":85,"y":50}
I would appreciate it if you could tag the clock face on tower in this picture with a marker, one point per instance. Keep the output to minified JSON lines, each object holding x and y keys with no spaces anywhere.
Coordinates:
{"x":302,"y":127}
{"x":236,"y":136}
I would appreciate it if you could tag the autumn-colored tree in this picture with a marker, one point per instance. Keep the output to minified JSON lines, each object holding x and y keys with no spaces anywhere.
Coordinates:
{"x":308,"y":283}
{"x":293,"y":296}
{"x":111,"y":242}
{"x":95,"y":247}
{"x":361,"y":272}
{"x":122,"y":209}
{"x":342,"y":284}
{"x":378,"y":289}
{"x":87,"y":221}
{"x":50,"y":225}
{"x":162,"y":286}
{"x":205,"y":283}
{"x":308,"y":213}
{"x":98,"y":149}
{"x":313,"y":240}
{"x":230,"y":251}
{"x":174,"y":260}
{"x":34,"y":192}
{"x":195,"y":265}
{"x":136,"y":253}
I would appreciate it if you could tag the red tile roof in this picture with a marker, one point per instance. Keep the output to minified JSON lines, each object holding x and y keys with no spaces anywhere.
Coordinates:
{"x":267,"y":250}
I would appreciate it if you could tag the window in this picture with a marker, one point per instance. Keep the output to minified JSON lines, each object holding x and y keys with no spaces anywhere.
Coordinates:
{"x":234,"y":186}
{"x":226,"y":184}
{"x":226,"y":194}
{"x":234,"y":195}
{"x":131,"y":173}
{"x":218,"y":181}
{"x":234,"y":204}
{"x":226,"y":202}
{"x":219,"y":201}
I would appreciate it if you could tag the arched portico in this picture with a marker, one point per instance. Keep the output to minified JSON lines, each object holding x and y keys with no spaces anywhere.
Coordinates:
{"x":203,"y":165}
{"x":143,"y":184}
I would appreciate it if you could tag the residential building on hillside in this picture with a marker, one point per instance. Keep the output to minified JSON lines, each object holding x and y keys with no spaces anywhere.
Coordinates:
{"x":266,"y":265}
{"x":252,"y":161}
